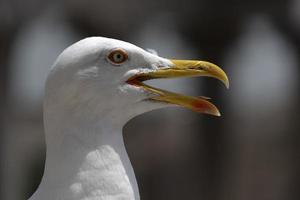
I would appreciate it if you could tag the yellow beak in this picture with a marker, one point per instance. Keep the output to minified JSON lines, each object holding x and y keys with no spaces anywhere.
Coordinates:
{"x":182,"y":68}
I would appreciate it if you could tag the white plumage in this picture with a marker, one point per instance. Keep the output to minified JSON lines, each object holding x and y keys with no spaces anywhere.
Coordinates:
{"x":93,"y":89}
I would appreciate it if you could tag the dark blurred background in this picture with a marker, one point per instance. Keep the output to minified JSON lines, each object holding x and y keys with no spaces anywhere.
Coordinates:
{"x":251,"y":152}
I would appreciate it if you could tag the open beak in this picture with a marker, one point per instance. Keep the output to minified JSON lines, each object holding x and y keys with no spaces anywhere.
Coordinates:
{"x":182,"y":68}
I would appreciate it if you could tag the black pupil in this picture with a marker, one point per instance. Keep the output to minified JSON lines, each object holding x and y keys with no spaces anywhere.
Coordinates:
{"x":119,"y":56}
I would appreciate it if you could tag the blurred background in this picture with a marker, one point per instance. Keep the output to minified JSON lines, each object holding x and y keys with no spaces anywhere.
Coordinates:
{"x":251,"y":152}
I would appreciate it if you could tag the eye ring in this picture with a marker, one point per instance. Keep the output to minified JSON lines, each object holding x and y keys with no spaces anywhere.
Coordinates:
{"x":117,"y":56}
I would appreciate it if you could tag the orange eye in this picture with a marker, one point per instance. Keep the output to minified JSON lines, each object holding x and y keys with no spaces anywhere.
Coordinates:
{"x":118,"y":56}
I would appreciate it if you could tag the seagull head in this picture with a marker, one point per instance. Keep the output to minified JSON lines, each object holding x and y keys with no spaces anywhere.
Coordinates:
{"x":107,"y":76}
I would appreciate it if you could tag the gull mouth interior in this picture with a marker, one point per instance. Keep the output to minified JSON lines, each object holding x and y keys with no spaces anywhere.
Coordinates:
{"x":197,"y":104}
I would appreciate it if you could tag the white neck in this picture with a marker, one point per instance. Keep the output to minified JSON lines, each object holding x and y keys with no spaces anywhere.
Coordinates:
{"x":85,"y":161}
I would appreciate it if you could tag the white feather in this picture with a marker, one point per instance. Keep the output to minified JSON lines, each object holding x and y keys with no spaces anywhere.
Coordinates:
{"x":87,"y":102}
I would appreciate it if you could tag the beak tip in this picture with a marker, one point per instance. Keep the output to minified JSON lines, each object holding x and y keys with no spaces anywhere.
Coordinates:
{"x":214,"y":111}
{"x":227,"y":84}
{"x":217,"y":114}
{"x":225,"y":80}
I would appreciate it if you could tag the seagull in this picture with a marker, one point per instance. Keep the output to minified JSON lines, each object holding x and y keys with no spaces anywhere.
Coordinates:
{"x":94,"y":87}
